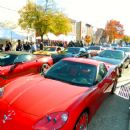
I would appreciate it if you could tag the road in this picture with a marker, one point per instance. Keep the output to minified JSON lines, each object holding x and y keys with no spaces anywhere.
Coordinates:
{"x":114,"y":113}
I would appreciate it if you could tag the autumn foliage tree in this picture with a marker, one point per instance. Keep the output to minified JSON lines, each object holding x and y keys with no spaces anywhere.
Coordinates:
{"x":88,"y":39}
{"x":114,"y":30}
{"x":43,"y":20}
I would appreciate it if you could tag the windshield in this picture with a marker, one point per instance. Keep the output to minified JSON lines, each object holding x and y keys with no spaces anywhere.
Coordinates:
{"x":115,"y":45}
{"x":6,"y":59}
{"x":112,"y":54}
{"x":124,"y":49}
{"x":94,"y":48}
{"x":73,"y":50}
{"x":49,"y":48}
{"x":73,"y":73}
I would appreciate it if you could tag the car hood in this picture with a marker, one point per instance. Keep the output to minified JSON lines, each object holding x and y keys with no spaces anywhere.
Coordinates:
{"x":37,"y":95}
{"x":108,"y":60}
{"x":45,"y":52}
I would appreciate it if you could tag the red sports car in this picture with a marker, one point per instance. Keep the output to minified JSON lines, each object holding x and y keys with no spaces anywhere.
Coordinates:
{"x":15,"y":64}
{"x":65,"y":97}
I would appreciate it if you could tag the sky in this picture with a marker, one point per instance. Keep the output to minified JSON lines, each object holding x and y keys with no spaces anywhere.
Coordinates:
{"x":94,"y":12}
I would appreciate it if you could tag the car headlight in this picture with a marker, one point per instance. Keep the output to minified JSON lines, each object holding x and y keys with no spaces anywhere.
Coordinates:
{"x":1,"y":92}
{"x":52,"y":121}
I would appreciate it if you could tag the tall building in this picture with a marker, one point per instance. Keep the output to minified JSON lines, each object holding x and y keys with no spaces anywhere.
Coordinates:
{"x":81,"y":31}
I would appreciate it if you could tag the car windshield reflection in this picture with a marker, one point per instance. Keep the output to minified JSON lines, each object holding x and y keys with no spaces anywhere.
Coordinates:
{"x":73,"y":72}
{"x":112,"y":54}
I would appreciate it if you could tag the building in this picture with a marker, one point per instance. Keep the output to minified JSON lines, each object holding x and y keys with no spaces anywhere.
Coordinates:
{"x":81,"y":31}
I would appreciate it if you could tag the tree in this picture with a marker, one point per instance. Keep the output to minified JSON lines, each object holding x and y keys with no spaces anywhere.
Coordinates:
{"x":126,"y":39}
{"x":114,"y":30}
{"x":43,"y":21}
{"x":88,"y":39}
{"x":61,"y":24}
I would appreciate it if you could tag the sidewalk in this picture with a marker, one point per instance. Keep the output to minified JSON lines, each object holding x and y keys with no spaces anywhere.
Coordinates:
{"x":124,"y":92}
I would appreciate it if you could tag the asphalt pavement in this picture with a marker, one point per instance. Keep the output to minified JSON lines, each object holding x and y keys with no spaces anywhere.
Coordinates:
{"x":114,"y":113}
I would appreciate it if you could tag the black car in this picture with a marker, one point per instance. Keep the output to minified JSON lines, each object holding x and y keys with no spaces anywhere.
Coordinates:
{"x":114,"y":57}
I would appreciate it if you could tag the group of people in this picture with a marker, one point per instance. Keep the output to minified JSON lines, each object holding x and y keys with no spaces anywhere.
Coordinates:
{"x":7,"y":47}
{"x":32,"y":47}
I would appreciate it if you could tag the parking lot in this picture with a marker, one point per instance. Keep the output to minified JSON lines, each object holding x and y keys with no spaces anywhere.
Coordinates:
{"x":114,"y":113}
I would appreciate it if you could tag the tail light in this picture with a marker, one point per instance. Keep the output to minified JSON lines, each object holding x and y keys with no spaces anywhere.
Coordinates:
{"x":52,"y":121}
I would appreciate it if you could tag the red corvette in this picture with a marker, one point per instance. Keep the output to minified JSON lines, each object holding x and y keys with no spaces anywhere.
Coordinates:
{"x":65,"y":98}
{"x":15,"y":64}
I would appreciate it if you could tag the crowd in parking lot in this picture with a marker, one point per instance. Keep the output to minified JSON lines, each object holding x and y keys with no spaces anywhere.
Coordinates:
{"x":74,"y":87}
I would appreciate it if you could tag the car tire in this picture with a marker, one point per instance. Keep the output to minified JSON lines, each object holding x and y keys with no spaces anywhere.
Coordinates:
{"x":114,"y":87}
{"x":82,"y":122}
{"x":44,"y":68}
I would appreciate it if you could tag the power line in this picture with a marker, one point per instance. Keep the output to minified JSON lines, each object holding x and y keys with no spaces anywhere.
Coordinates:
{"x":8,"y":8}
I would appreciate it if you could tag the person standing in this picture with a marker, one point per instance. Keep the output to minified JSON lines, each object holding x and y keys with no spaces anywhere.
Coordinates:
{"x":7,"y":46}
{"x":19,"y":46}
{"x":33,"y":47}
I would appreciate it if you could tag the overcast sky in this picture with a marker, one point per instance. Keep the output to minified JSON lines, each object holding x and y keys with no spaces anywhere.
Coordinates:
{"x":94,"y":12}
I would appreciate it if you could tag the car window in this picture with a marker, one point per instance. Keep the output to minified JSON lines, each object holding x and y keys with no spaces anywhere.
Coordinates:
{"x":73,"y":72}
{"x":102,"y":72}
{"x":112,"y":54}
{"x":6,"y":59}
{"x":73,"y":50}
{"x":23,"y":58}
{"x":94,"y":48}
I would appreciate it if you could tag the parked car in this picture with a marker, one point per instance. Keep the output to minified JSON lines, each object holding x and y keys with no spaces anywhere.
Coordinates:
{"x":94,"y":50}
{"x":114,"y":57}
{"x":126,"y":50}
{"x":106,"y":47}
{"x":14,"y":64}
{"x":114,"y":45}
{"x":65,"y":98}
{"x":77,"y":51}
{"x":48,"y":50}
{"x":69,"y":53}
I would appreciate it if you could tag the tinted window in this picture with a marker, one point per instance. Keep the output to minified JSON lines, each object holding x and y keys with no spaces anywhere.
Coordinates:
{"x":94,"y":48}
{"x":7,"y":59}
{"x":73,"y":73}
{"x":124,"y":49}
{"x":112,"y":54}
{"x":23,"y":58}
{"x":50,"y":49}
{"x":73,"y":50}
{"x":102,"y":72}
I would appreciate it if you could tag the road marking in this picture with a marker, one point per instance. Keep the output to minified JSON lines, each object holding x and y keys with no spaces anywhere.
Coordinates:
{"x":124,"y":91}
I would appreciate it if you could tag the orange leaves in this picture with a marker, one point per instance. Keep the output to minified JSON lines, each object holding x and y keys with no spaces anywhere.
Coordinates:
{"x":114,"y":30}
{"x":87,"y":39}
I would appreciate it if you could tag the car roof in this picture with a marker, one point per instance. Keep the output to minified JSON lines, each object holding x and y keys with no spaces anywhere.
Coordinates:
{"x":83,"y":60}
{"x":15,"y":52}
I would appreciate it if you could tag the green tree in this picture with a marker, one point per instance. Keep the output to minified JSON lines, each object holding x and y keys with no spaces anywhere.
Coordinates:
{"x":43,"y":21}
{"x":61,"y":24}
{"x":126,"y":39}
